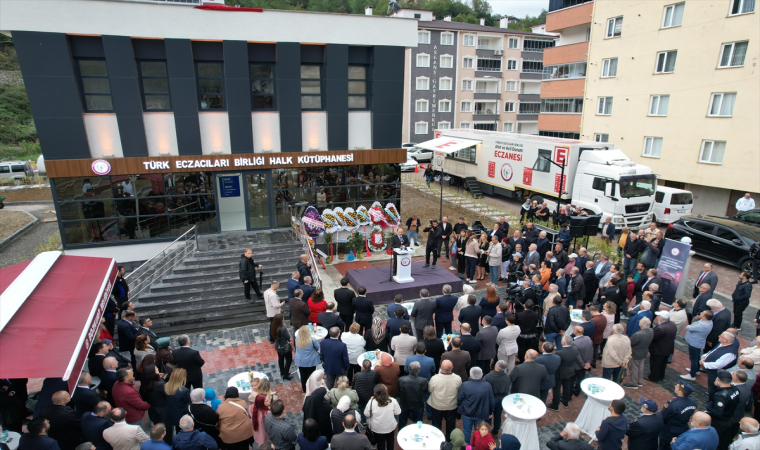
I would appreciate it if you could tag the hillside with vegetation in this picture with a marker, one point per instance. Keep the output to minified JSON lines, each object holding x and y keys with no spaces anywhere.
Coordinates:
{"x":18,"y":136}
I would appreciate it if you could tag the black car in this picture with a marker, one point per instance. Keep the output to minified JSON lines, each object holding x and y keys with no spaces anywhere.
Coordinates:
{"x":722,"y":239}
{"x":751,"y":217}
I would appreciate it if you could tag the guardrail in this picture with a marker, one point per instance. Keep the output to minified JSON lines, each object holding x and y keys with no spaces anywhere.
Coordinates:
{"x":300,"y":234}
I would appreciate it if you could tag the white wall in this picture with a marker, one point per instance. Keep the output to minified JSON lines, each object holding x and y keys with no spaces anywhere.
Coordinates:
{"x":573,"y":35}
{"x":314,"y":129}
{"x":359,"y":129}
{"x":215,"y":133}
{"x":161,"y":134}
{"x":531,"y":88}
{"x":121,"y":253}
{"x":103,"y":135}
{"x":709,"y":200}
{"x":266,"y":131}
{"x":526,"y":127}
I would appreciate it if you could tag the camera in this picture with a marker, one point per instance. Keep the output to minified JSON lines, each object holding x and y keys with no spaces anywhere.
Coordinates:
{"x":430,"y":221}
{"x":515,"y":293}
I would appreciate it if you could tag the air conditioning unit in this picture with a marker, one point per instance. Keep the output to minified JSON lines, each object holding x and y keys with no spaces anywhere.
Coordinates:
{"x":498,"y":52}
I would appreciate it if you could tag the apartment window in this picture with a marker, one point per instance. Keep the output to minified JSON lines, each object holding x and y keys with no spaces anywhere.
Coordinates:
{"x":537,"y":46}
{"x":513,"y":42}
{"x":423,"y":83}
{"x":444,"y":106}
{"x":529,"y":66}
{"x":673,"y":15}
{"x":484,"y":44}
{"x":564,"y":71}
{"x":444,"y":125}
{"x":560,"y":134}
{"x":489,"y":65}
{"x":542,"y":163}
{"x":605,"y":106}
{"x":742,"y":7}
{"x":529,"y":108}
{"x":487,"y":126}
{"x":357,"y":87}
{"x":466,"y":154}
{"x":511,"y":64}
{"x":562,"y":105}
{"x":509,"y":107}
{"x":421,"y":128}
{"x":732,"y":54}
{"x":95,"y":86}
{"x":599,"y":137}
{"x":722,"y":104}
{"x":510,"y":86}
{"x":609,"y":68}
{"x":465,"y":125}
{"x":210,"y":85}
{"x":423,"y":37}
{"x":421,"y":106}
{"x":466,"y":85}
{"x":155,"y":86}
{"x":658,"y":105}
{"x":509,"y":127}
{"x":652,"y":147}
{"x":444,"y":84}
{"x":447,"y":38}
{"x":465,"y":107}
{"x":666,"y":62}
{"x":712,"y":152}
{"x":423,"y":60}
{"x":467,"y":63}
{"x":447,"y":62}
{"x":614,"y":27}
{"x":262,"y":86}
{"x":469,"y":40}
{"x":311,"y":87}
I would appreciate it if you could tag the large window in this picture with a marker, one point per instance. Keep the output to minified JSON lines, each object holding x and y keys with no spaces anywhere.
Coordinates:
{"x":466,"y":85}
{"x":637,"y":186}
{"x":609,"y":68}
{"x":155,"y":86}
{"x":605,"y":106}
{"x":672,"y":16}
{"x":469,"y":40}
{"x":447,"y":62}
{"x":467,"y":62}
{"x":614,"y":27}
{"x":529,"y":108}
{"x":466,"y":106}
{"x":652,"y":147}
{"x":466,"y":154}
{"x":489,"y":65}
{"x":722,"y":104}
{"x":311,"y":87}
{"x":447,"y":38}
{"x":529,"y":66}
{"x":357,"y":87}
{"x":742,"y":7}
{"x":510,"y":85}
{"x":733,"y":54}
{"x":210,"y":85}
{"x":666,"y":62}
{"x":658,"y":105}
{"x":513,"y":42}
{"x":536,"y":46}
{"x":444,"y":84}
{"x":421,"y":106}
{"x":444,"y":106}
{"x":564,"y":71}
{"x":444,"y":125}
{"x":562,"y":105}
{"x":423,"y":37}
{"x":423,"y":83}
{"x":511,"y":64}
{"x":421,"y":128}
{"x":509,"y":107}
{"x":712,"y":152}
{"x":423,"y":60}
{"x":487,"y":126}
{"x":96,"y":89}
{"x":262,"y":86}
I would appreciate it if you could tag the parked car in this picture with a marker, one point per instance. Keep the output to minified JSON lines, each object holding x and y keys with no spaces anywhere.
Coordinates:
{"x":719,"y":238}
{"x":408,"y":166}
{"x":408,"y":144}
{"x":419,"y":154}
{"x":671,"y":204}
{"x":15,"y":170}
{"x":751,"y":217}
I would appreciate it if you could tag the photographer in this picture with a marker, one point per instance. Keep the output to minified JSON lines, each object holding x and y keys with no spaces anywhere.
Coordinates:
{"x":435,"y":234}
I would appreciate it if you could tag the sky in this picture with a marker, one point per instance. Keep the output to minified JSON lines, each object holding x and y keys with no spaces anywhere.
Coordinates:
{"x":518,"y":8}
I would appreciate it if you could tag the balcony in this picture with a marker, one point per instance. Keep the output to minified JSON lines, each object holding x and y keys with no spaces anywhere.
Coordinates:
{"x":487,"y":94}
{"x":566,"y":54}
{"x":578,"y":13}
{"x":528,"y":97}
{"x":560,"y":122}
{"x":563,"y":88}
{"x":556,"y":5}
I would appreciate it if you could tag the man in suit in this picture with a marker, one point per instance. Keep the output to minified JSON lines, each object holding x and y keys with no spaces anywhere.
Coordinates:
{"x":127,"y":332}
{"x":662,"y":345}
{"x":459,"y":358}
{"x":306,"y":288}
{"x":583,"y":361}
{"x":706,"y":276}
{"x":577,"y":288}
{"x":700,"y":302}
{"x":393,"y":325}
{"x":470,"y":344}
{"x":530,"y":233}
{"x":582,"y":260}
{"x":299,"y":310}
{"x":533,"y":257}
{"x":551,"y":361}
{"x":349,"y":439}
{"x":98,"y":355}
{"x":123,"y":436}
{"x":602,"y":266}
{"x":398,"y":299}
{"x":564,"y":377}
{"x":329,"y":319}
{"x":293,"y":284}
{"x":487,"y":337}
{"x":643,"y":432}
{"x":335,"y":356}
{"x":364,"y":309}
{"x":37,"y":438}
{"x":542,"y":245}
{"x":643,"y":286}
{"x":94,"y":423}
{"x":444,"y":311}
{"x":516,"y":239}
{"x":470,"y":314}
{"x":528,"y":377}
{"x":398,"y":241}
{"x":608,"y":229}
{"x":64,"y":422}
{"x":721,"y":322}
{"x":108,"y":377}
{"x":344,"y":296}
{"x":190,"y":360}
{"x":84,"y":399}
{"x":561,"y":255}
{"x":423,"y":312}
{"x":446,"y":230}
{"x":145,"y":324}
{"x":304,"y":268}
{"x":700,"y":435}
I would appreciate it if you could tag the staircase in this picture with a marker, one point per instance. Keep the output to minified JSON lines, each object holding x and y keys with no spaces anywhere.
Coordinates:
{"x":205,"y":292}
{"x":474,"y":187}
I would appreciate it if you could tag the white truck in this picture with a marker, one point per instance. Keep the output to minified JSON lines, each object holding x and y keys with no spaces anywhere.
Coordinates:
{"x":597,"y":177}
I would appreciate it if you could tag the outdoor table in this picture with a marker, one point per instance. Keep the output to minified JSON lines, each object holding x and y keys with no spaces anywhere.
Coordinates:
{"x":372,"y":356}
{"x":245,"y":381}
{"x":601,"y":392}
{"x":446,"y":338}
{"x":576,"y":320}
{"x":416,"y":436}
{"x":11,"y":438}
{"x":320,"y":334}
{"x":521,"y":412}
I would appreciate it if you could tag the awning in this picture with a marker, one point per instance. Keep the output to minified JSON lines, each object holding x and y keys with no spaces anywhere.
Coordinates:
{"x":448,"y":144}
{"x":50,"y":310}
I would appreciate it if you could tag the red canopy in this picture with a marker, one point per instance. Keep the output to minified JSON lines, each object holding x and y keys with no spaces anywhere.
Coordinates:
{"x":51,"y":309}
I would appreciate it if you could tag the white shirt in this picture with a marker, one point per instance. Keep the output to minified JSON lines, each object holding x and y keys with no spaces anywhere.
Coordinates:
{"x":272,"y":303}
{"x":745,"y":204}
{"x":128,"y":188}
{"x":721,"y":362}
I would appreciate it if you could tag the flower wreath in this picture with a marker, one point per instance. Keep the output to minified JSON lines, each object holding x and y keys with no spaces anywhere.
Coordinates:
{"x":377,"y":214}
{"x":312,"y":222}
{"x":363,"y":215}
{"x":392,"y":216}
{"x":377,"y":241}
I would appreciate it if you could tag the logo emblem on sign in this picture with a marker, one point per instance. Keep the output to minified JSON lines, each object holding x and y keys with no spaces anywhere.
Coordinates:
{"x":101,"y":167}
{"x":675,"y":252}
{"x":506,"y":172}
{"x":439,"y":161}
{"x":406,"y":261}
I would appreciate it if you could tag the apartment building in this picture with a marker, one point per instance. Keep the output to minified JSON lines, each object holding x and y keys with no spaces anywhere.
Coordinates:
{"x":675,"y":85}
{"x":463,"y":75}
{"x":564,"y":70}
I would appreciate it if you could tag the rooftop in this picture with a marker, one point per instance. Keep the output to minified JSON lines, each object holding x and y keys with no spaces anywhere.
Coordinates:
{"x":461,"y":26}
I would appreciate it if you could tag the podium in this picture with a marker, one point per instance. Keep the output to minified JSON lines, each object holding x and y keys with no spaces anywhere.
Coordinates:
{"x":403,"y":265}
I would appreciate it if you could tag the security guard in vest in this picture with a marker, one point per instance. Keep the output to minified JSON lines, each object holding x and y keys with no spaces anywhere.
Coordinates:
{"x":677,"y":413}
{"x":721,"y":408}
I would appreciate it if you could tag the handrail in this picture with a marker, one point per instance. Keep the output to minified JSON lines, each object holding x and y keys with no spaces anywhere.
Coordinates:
{"x":164,"y":249}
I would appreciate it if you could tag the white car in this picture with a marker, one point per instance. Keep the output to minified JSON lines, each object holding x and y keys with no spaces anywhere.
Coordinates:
{"x":408,"y":166}
{"x":419,"y":154}
{"x":670,"y":204}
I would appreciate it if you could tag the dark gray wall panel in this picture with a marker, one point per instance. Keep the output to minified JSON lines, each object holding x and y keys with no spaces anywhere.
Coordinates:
{"x":86,"y":47}
{"x":184,"y":95}
{"x":359,"y":55}
{"x":125,"y":91}
{"x":262,"y":52}
{"x":237,"y":83}
{"x":207,"y":51}
{"x":289,"y":95}
{"x":149,"y":48}
{"x":53,"y":94}
{"x":387,"y":96}
{"x":336,"y":87}
{"x":314,"y":54}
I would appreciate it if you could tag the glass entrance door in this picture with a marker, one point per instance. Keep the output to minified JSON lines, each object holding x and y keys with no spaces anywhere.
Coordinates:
{"x":259,"y":207}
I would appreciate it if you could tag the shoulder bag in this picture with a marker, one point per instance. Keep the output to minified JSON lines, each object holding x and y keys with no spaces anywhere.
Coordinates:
{"x":370,"y":435}
{"x":283,"y":349}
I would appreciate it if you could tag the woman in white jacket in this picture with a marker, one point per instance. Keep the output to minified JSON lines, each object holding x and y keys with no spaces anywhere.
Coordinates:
{"x":381,"y":412}
{"x":494,"y":260}
{"x":507,"y":342}
{"x":355,"y":343}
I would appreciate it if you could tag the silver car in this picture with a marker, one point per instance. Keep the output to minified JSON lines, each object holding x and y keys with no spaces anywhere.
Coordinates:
{"x":15,"y":170}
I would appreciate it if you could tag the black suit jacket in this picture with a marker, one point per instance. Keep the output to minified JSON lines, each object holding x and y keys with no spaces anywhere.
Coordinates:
{"x":663,"y":338}
{"x":107,"y":380}
{"x":329,"y":320}
{"x":92,"y":430}
{"x":471,"y":315}
{"x":643,"y":432}
{"x":95,"y":364}
{"x":446,"y":230}
{"x":350,"y":441}
{"x":568,"y":354}
{"x":423,"y":312}
{"x":655,"y":280}
{"x":191,"y":361}
{"x":364,"y":310}
{"x":345,"y":297}
{"x":397,"y":243}
{"x":84,"y":400}
{"x":153,"y":337}
{"x":64,"y":426}
{"x":127,"y":335}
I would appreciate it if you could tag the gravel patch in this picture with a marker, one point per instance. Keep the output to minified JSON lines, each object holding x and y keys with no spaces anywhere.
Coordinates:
{"x":27,"y":246}
{"x":12,"y":221}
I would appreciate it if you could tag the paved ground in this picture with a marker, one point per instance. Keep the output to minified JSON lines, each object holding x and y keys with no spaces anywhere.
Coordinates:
{"x":27,"y":246}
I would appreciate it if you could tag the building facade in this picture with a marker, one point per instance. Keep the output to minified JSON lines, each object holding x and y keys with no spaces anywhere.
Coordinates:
{"x":154,"y":117}
{"x":675,"y":86}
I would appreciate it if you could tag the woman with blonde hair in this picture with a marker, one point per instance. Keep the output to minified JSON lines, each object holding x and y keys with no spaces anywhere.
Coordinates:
{"x":355,"y":344}
{"x":483,"y":245}
{"x":343,"y":389}
{"x":307,"y":355}
{"x":235,"y":429}
{"x":471,"y":253}
{"x":177,"y":399}
{"x":143,"y":348}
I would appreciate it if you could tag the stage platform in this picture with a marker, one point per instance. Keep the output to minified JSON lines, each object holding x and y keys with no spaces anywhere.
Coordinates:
{"x":380,"y":290}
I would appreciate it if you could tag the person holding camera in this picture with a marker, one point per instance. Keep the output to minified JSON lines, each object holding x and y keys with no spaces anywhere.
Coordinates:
{"x":435,"y":234}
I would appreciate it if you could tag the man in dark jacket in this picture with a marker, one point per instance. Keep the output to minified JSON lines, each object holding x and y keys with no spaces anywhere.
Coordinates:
{"x":741,"y":296}
{"x":470,"y":314}
{"x":444,"y":311}
{"x":528,"y":377}
{"x":722,"y":406}
{"x":557,"y":321}
{"x":108,"y":378}
{"x":412,"y":399}
{"x":120,"y":288}
{"x":632,"y":250}
{"x":330,"y":319}
{"x":577,"y":288}
{"x":189,"y":439}
{"x":364,"y":309}
{"x":552,"y":362}
{"x":611,"y":432}
{"x":393,"y":325}
{"x":364,"y":385}
{"x":335,"y":355}
{"x":94,"y":423}
{"x":500,"y":383}
{"x":475,"y":401}
{"x":583,"y":361}
{"x":460,"y":359}
{"x":423,"y":312}
{"x":97,"y":355}
{"x":643,"y":432}
{"x":247,"y":272}
{"x":662,"y":345}
{"x":470,"y":344}
{"x":487,"y":337}
{"x":299,"y":310}
{"x":561,"y":256}
{"x":84,"y":399}
{"x":303,"y":267}
{"x":65,"y":426}
{"x":345,"y":297}
{"x":127,"y":332}
{"x":433,"y":242}
{"x":306,"y":288}
{"x":564,"y":377}
{"x":37,"y":438}
{"x":721,"y":322}
{"x":190,"y":360}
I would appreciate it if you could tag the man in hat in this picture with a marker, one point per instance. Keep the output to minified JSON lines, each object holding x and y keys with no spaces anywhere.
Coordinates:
{"x":676,"y":414}
{"x":722,"y":406}
{"x":642,"y":433}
